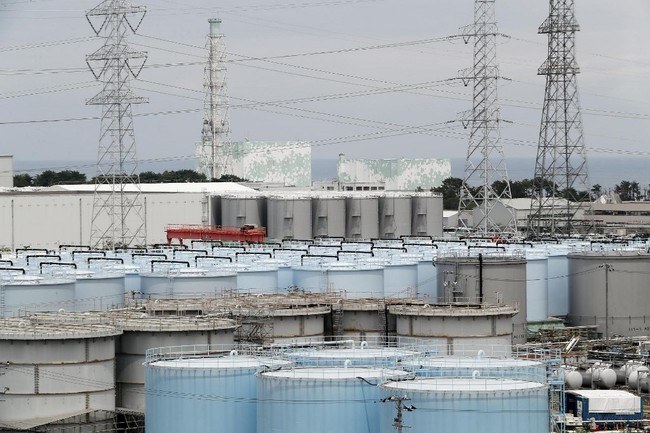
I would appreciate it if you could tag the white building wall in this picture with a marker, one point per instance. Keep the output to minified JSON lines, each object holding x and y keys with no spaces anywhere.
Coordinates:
{"x":6,"y":171}
{"x":285,"y":162}
{"x":395,"y":174}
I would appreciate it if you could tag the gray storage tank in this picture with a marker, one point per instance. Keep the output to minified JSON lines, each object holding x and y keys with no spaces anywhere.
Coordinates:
{"x":394,"y":215}
{"x":237,"y":210}
{"x":362,"y":217}
{"x":427,"y":214}
{"x":498,"y":279}
{"x":328,"y":213}
{"x":610,"y":290}
{"x":289,"y":217}
{"x":50,"y":372}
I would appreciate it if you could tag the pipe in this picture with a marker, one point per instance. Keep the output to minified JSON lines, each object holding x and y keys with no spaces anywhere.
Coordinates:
{"x":103,"y":253}
{"x":108,"y":259}
{"x":232,"y":247}
{"x":87,"y":247}
{"x":74,"y":265}
{"x":42,"y":255}
{"x":14,"y":269}
{"x":133,"y":255}
{"x":407,"y":244}
{"x":363,"y":345}
{"x":390,"y":248}
{"x":8,"y":262}
{"x":188,"y":251}
{"x":309,"y":241}
{"x":252,"y":253}
{"x":43,"y":250}
{"x":169,"y":261}
{"x":476,"y":374}
{"x":480,"y":277}
{"x":196,"y":258}
{"x":493,"y":247}
{"x":354,"y":252}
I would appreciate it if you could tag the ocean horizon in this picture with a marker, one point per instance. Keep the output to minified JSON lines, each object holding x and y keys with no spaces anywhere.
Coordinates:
{"x":605,"y":171}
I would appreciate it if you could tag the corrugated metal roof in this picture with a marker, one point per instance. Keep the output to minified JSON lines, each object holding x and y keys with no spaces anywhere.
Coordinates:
{"x":36,"y":422}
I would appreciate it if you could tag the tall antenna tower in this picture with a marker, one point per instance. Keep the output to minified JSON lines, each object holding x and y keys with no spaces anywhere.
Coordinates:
{"x":561,"y":173}
{"x":118,"y":217}
{"x":214,"y":152}
{"x":485,"y":162}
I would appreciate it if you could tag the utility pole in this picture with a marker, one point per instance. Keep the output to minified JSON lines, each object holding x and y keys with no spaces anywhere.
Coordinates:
{"x":398,"y":421}
{"x":608,"y":268}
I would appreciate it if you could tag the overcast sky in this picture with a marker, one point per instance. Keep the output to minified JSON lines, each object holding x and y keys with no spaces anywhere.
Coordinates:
{"x":43,"y":76}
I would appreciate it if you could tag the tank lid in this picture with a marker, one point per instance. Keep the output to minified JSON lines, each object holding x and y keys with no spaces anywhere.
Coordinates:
{"x":223,"y":362}
{"x":454,"y":310}
{"x":354,"y":354}
{"x":29,"y":329}
{"x":336,"y":373}
{"x":463,"y":384}
{"x":466,"y":362}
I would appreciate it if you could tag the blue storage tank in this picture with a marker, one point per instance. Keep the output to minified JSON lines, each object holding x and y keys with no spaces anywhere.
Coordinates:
{"x":536,"y":287}
{"x":203,"y":395}
{"x":358,"y":356}
{"x":98,"y":291}
{"x":558,"y":281}
{"x":355,"y":280}
{"x":186,"y":283}
{"x":461,"y":405}
{"x":30,"y":293}
{"x":320,"y":400}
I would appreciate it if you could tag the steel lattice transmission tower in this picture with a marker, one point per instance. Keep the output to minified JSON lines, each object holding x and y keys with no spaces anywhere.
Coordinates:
{"x":561,"y":173}
{"x":118,"y":214}
{"x":214,"y":152}
{"x":485,"y":162}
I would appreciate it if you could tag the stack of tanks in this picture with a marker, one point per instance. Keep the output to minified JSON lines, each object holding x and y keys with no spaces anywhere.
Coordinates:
{"x":343,"y":386}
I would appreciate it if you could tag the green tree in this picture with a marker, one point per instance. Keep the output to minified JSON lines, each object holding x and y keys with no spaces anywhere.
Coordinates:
{"x":46,"y":178}
{"x":450,"y":190}
{"x":23,"y":180}
{"x":230,"y":178}
{"x":628,"y":191}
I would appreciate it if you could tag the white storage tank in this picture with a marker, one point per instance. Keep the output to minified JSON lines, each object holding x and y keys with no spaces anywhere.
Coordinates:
{"x":21,"y":294}
{"x":461,"y":405}
{"x":427,"y":214}
{"x":458,"y":329}
{"x":217,"y":393}
{"x":289,"y":217}
{"x":342,"y":400}
{"x":187,"y":283}
{"x":558,"y":281}
{"x":328,"y":213}
{"x":361,"y":355}
{"x":355,"y":281}
{"x":394,"y":215}
{"x":610,"y":290}
{"x":497,"y":278}
{"x":51,"y":372}
{"x":465,"y":366}
{"x":237,"y":210}
{"x":362,"y":217}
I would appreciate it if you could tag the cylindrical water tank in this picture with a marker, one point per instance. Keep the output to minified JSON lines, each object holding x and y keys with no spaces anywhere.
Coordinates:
{"x":458,"y":329}
{"x":456,"y":366}
{"x":289,"y":217}
{"x":394,"y":215}
{"x":256,"y":278}
{"x":610,"y":290}
{"x":427,"y":215}
{"x":461,"y":405}
{"x":237,"y":210}
{"x":362,"y":355}
{"x":355,"y":281}
{"x":54,"y":371}
{"x":328,"y":213}
{"x":362,"y":217}
{"x":400,"y":279}
{"x":319,"y":400}
{"x":29,"y":293}
{"x":558,"y":282}
{"x":536,"y":288}
{"x":98,"y":291}
{"x":186,"y":283}
{"x":218,"y":394}
{"x":500,"y":279}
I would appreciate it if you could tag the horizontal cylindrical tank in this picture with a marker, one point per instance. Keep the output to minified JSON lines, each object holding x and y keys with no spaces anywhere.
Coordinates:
{"x":610,"y":290}
{"x":456,"y":405}
{"x":289,"y":217}
{"x":427,"y":215}
{"x":54,"y":371}
{"x":29,"y":293}
{"x":362,"y":217}
{"x":494,"y":278}
{"x":184,"y":283}
{"x":394,"y":215}
{"x":342,"y":400}
{"x":455,"y":366}
{"x":237,"y":210}
{"x":328,"y":215}
{"x":216,"y":394}
{"x":573,"y":379}
{"x":602,"y":377}
{"x":459,"y":329}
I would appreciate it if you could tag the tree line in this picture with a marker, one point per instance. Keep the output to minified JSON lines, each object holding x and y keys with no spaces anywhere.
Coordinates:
{"x":527,"y":188}
{"x":73,"y":177}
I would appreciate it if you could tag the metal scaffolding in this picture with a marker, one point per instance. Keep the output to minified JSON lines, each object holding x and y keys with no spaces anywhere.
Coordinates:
{"x":485,"y":161}
{"x":118,"y":216}
{"x":561,"y":184}
{"x":214,"y":153}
